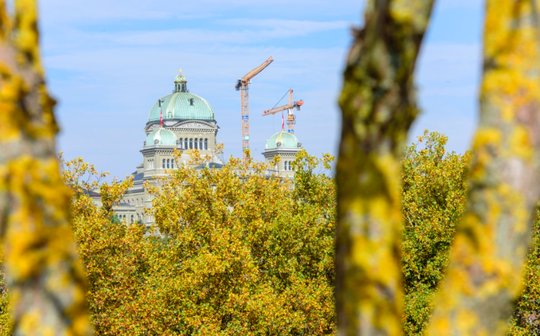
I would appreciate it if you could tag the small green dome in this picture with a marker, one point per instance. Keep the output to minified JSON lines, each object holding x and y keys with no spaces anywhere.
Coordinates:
{"x":181,"y":104}
{"x":161,"y":137}
{"x":282,"y":140}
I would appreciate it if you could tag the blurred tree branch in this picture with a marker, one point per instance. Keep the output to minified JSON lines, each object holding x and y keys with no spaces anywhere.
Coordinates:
{"x":45,"y":278}
{"x":378,"y":106}
{"x":490,"y":249}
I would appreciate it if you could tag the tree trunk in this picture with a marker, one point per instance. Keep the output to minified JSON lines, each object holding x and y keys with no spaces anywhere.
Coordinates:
{"x":491,"y":243}
{"x":45,"y":279}
{"x":378,"y":106}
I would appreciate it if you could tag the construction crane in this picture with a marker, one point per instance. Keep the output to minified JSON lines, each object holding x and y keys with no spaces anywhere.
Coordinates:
{"x":290,"y":107}
{"x":242,"y":85}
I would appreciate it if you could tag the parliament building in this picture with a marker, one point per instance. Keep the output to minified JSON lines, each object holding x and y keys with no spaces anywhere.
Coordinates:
{"x":185,"y":121}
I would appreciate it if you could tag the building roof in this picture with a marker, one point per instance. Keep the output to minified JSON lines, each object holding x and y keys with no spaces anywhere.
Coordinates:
{"x":181,"y":104}
{"x":160,"y":137}
{"x":282,"y":140}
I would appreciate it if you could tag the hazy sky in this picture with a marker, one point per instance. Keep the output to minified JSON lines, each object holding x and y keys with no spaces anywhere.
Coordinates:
{"x":109,"y":61}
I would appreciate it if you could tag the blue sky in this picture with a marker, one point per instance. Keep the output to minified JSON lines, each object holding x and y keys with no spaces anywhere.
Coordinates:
{"x":108,"y":61}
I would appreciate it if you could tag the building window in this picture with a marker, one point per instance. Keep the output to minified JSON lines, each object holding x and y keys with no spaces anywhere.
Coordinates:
{"x":196,"y":143}
{"x":181,"y":143}
{"x":205,"y":143}
{"x":287,"y":165}
{"x":163,"y":164}
{"x":131,"y":219}
{"x":185,"y":143}
{"x":201,"y":144}
{"x":190,"y":143}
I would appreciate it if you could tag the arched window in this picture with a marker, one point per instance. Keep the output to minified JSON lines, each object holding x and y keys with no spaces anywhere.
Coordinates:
{"x":205,"y":143}
{"x":190,"y":143}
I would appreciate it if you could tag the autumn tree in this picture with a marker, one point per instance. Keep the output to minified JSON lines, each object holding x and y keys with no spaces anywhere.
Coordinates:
{"x":254,"y":252}
{"x":433,"y":202}
{"x":238,"y":252}
{"x":45,"y":280}
{"x":526,"y":318}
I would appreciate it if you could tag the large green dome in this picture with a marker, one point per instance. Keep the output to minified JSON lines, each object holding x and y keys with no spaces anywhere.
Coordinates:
{"x":161,"y":137}
{"x":282,"y":140}
{"x":181,"y":105}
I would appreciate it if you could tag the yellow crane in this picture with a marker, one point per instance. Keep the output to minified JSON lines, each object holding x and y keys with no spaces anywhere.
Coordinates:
{"x":290,"y":107}
{"x":242,"y":85}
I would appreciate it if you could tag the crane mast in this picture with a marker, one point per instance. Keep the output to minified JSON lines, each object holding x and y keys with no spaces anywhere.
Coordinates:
{"x":290,"y":107}
{"x":243,"y":85}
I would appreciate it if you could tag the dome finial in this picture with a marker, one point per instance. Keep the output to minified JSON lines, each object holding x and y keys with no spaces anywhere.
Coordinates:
{"x":180,"y":82}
